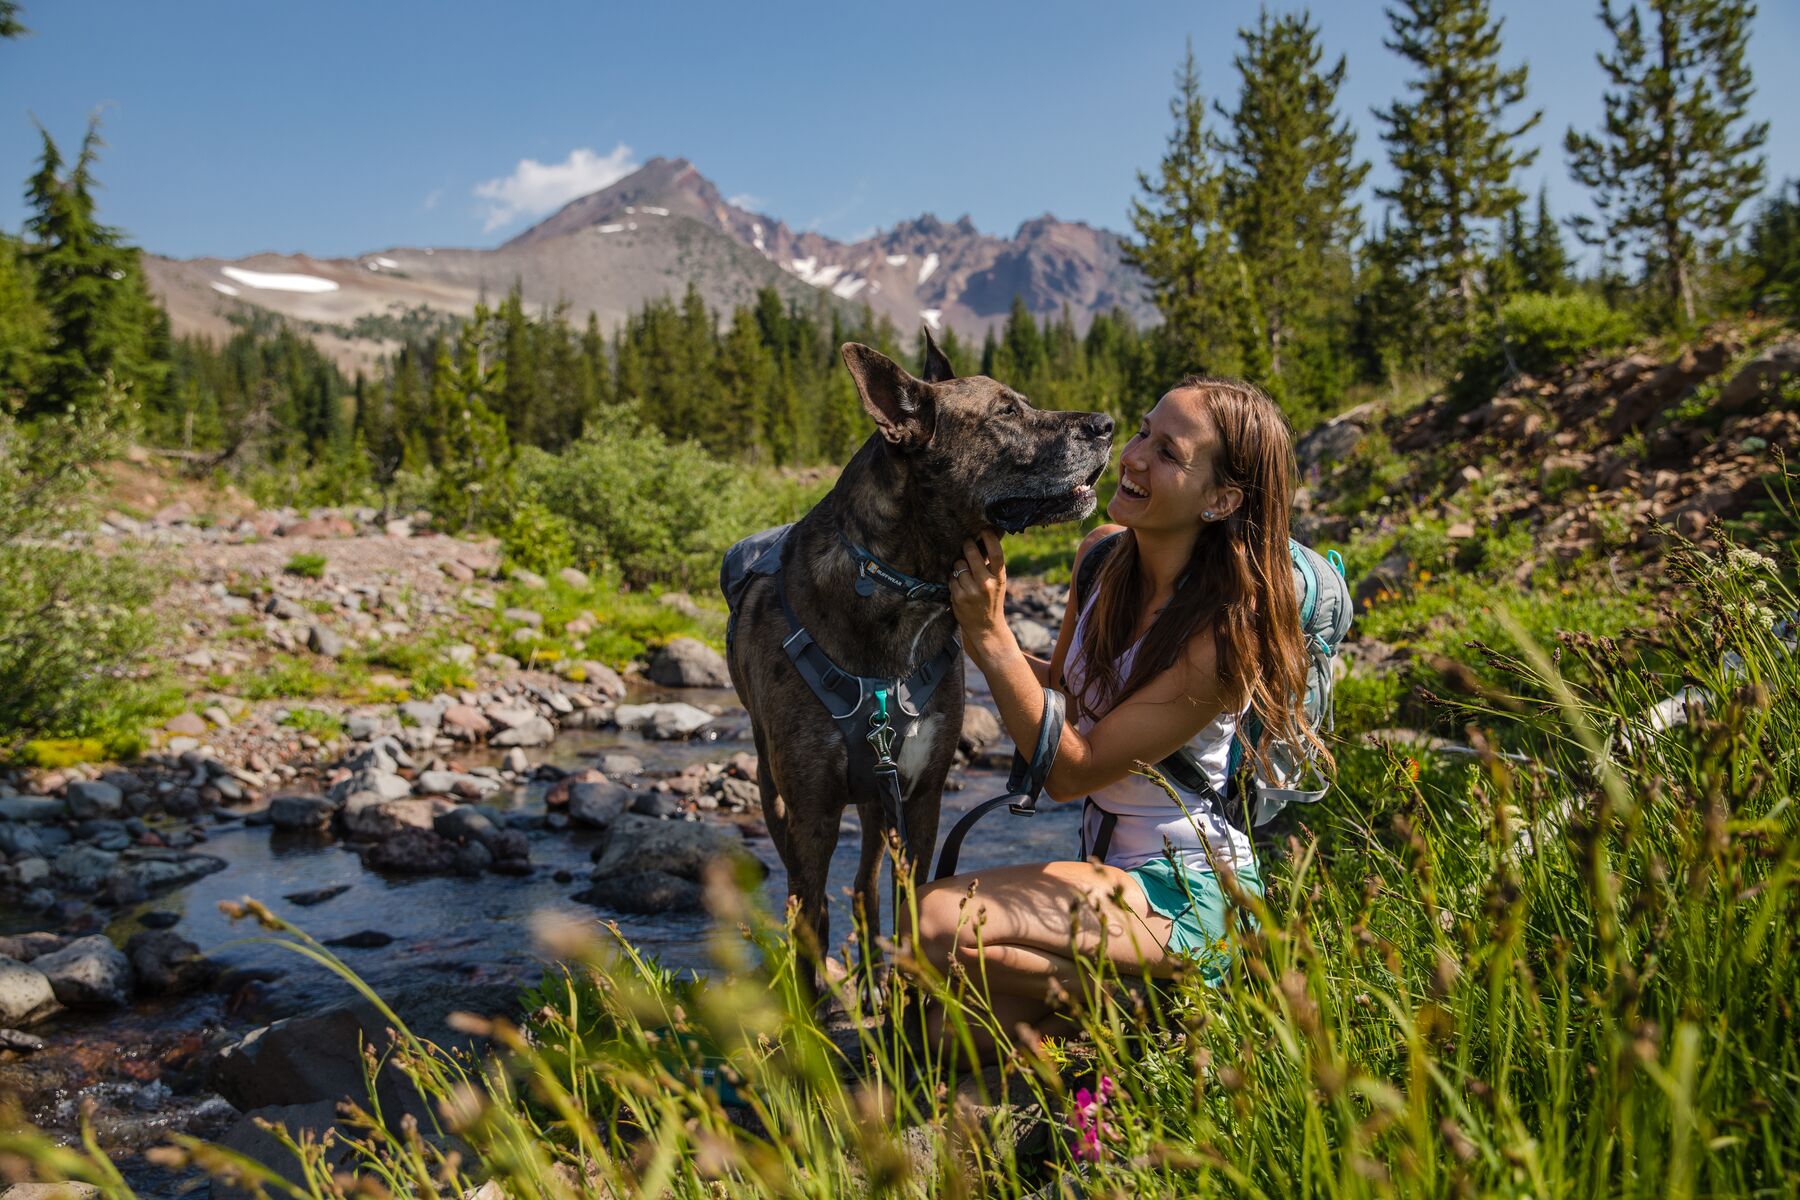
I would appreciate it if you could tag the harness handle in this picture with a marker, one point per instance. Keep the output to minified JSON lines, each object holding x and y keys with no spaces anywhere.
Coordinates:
{"x":1024,"y":784}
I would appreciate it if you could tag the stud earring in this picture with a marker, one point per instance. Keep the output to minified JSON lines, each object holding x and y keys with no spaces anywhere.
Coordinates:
{"x":1208,"y":514}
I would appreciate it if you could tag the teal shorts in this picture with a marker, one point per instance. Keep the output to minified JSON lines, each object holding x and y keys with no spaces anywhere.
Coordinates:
{"x":1196,"y":904}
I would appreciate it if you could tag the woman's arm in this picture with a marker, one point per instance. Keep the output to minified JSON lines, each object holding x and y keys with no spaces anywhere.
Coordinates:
{"x":1157,"y":720}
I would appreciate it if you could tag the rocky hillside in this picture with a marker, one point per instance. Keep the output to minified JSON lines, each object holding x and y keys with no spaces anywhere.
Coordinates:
{"x":648,"y":236}
{"x":1599,"y":457}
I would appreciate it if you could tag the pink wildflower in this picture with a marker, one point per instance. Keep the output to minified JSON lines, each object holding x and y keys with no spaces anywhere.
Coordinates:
{"x":1086,"y":1117}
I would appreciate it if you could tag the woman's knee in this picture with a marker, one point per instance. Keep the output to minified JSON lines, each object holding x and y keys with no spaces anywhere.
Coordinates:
{"x":947,"y":918}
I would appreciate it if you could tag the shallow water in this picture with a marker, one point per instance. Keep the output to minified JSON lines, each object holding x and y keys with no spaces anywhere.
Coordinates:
{"x":468,"y":932}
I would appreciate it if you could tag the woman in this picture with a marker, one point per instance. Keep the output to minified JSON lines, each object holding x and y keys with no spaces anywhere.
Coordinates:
{"x":1192,"y":622}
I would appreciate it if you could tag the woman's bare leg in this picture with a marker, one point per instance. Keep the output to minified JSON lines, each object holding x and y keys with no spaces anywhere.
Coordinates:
{"x":1016,"y":935}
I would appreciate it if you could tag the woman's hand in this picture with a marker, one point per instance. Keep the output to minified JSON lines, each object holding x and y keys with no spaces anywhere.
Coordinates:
{"x":978,"y":598}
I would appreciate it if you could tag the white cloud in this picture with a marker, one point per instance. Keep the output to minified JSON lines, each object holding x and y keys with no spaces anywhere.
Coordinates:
{"x":535,"y":188}
{"x":745,"y":200}
{"x":432,"y":197}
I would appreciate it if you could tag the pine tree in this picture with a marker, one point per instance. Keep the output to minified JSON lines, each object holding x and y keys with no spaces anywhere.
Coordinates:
{"x":1544,"y":263}
{"x":1182,"y":244}
{"x":1290,"y":177}
{"x":469,"y":446}
{"x":746,"y":376}
{"x":10,"y":26}
{"x":24,"y":325}
{"x":91,"y":287}
{"x":1674,"y":159}
{"x":1454,"y":154}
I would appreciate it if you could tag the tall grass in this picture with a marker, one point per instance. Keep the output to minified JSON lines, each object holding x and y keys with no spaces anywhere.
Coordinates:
{"x":1574,"y":976}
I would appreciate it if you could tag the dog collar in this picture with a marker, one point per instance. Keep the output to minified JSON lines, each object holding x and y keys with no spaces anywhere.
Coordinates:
{"x":871,"y":571}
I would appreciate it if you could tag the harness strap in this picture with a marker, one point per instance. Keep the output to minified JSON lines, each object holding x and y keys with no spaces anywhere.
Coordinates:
{"x":1102,"y":836}
{"x":1024,"y":784}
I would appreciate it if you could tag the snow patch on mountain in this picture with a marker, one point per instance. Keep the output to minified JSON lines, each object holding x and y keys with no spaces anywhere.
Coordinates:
{"x":274,"y":281}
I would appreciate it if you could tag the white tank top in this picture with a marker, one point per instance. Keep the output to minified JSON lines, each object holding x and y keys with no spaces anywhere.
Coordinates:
{"x":1146,"y":818}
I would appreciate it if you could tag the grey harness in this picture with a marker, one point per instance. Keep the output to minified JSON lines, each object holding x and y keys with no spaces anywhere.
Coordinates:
{"x":872,"y":713}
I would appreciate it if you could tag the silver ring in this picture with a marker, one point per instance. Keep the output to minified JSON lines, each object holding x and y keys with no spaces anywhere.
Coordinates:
{"x":961,"y":570}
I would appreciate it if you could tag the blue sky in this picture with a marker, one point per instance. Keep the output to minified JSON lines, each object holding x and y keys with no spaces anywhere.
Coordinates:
{"x":336,"y":127}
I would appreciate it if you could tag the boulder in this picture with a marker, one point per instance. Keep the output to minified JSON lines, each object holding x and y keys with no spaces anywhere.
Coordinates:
{"x":167,"y":963}
{"x":89,"y":972}
{"x":598,"y":804}
{"x":1391,"y":576}
{"x":425,"y":714}
{"x":84,"y":868}
{"x":466,"y":723}
{"x":413,"y":852}
{"x":187,"y":724}
{"x":156,"y":870}
{"x":1334,"y":440}
{"x":523,"y":616}
{"x":574,"y":578}
{"x":686,"y":662}
{"x":252,"y":1138}
{"x":603,"y":679}
{"x":534,"y":731}
{"x":1757,"y":380}
{"x":663,"y":721}
{"x":25,"y":993}
{"x":644,"y":893}
{"x":369,"y":815}
{"x":88,"y":798}
{"x":375,"y":781}
{"x":615,"y":762}
{"x":454,"y":783}
{"x":528,"y":579}
{"x":301,"y":810}
{"x":22,"y":841}
{"x":283,"y":608}
{"x":679,"y":848}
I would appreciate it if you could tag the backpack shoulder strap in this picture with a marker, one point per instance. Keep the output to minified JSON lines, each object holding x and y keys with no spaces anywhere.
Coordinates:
{"x":1091,"y":564}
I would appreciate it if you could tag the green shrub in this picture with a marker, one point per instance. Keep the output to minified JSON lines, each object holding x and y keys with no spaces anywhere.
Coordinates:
{"x":537,"y":539}
{"x":309,"y":566}
{"x":1535,"y":334}
{"x":651,"y":509}
{"x":74,"y":625}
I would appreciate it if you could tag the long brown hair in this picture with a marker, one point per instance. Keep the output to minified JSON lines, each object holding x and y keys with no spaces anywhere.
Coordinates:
{"x":1238,"y":583}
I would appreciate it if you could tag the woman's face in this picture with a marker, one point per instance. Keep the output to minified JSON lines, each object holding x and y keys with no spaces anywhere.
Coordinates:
{"x":1166,"y":471}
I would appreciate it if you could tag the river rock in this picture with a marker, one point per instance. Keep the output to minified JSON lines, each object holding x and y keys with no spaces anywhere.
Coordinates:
{"x":680,"y":848}
{"x":22,"y":841}
{"x":663,"y":721}
{"x":413,"y":852}
{"x":979,"y":727}
{"x":466,"y":723}
{"x":516,"y":761}
{"x":1033,"y":637}
{"x":369,"y":815}
{"x":301,"y":810}
{"x":618,"y":763}
{"x":317,"y":895}
{"x":687,"y":662}
{"x":535,"y":731}
{"x":252,"y":1138}
{"x":167,"y":963}
{"x":454,"y":783}
{"x":89,"y":972}
{"x":22,"y":1043}
{"x":91,"y":798}
{"x":51,"y":1191}
{"x":283,"y":608}
{"x":84,"y":868}
{"x":660,"y":805}
{"x":385,"y":784}
{"x":644,"y":893}
{"x":603,"y":679}
{"x":23,"y":947}
{"x":425,"y":714}
{"x":25,"y":993}
{"x":157,"y":870}
{"x":598,"y":804}
{"x":32,"y":808}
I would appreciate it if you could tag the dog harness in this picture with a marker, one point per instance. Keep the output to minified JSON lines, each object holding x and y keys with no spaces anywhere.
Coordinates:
{"x":872,"y":713}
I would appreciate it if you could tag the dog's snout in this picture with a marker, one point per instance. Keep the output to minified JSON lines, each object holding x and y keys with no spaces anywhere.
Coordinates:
{"x":1098,"y":426}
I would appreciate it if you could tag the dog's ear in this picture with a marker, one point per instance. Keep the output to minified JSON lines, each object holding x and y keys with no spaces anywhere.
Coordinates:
{"x":937,"y":365}
{"x":904,"y":408}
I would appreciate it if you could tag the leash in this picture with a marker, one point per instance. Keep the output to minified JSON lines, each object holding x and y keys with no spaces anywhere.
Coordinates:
{"x":1024,"y":784}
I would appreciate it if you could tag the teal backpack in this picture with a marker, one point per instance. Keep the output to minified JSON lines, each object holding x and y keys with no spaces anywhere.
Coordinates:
{"x":1325,"y":612}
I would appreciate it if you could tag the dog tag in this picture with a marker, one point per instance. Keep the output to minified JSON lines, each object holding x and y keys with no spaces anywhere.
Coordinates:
{"x":865,"y":586}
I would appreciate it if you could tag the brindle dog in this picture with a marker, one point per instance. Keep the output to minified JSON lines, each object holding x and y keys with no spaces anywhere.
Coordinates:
{"x":949,"y":457}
